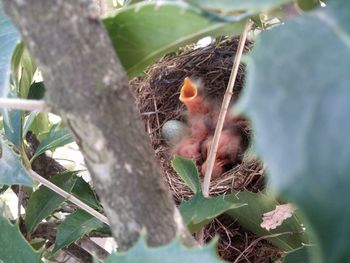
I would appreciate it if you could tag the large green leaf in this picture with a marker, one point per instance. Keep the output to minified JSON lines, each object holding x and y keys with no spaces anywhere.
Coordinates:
{"x":11,"y":168}
{"x":188,"y":172}
{"x":200,"y":210}
{"x":56,"y":138}
{"x":250,"y":217}
{"x":173,"y":252}
{"x":83,"y":191}
{"x":297,"y":96}
{"x":9,"y":38}
{"x":144,"y":32}
{"x":300,"y":255}
{"x":14,"y":248}
{"x":44,"y":201}
{"x":228,"y":6}
{"x":74,"y":227}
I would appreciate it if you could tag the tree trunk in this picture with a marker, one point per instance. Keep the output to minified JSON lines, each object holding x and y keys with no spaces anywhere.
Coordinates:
{"x":88,"y":87}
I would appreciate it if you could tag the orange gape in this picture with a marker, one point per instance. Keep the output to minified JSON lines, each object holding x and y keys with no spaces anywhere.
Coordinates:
{"x":201,"y":118}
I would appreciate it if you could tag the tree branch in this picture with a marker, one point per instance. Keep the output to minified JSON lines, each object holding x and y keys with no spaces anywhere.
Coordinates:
{"x":88,"y":87}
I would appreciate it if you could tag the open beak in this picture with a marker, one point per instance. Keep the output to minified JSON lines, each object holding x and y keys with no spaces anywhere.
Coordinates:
{"x":189,"y":96}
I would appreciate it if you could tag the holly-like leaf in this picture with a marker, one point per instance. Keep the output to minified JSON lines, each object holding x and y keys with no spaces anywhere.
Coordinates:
{"x":9,"y":37}
{"x":44,"y":201}
{"x":251,"y":217}
{"x":231,"y":6}
{"x":299,"y":105}
{"x":14,"y":248}
{"x":200,"y":210}
{"x":74,"y":227}
{"x":144,"y":32}
{"x":188,"y":172}
{"x":173,"y":252}
{"x":11,"y":168}
{"x":308,"y":5}
{"x":56,"y":138}
{"x":83,"y":191}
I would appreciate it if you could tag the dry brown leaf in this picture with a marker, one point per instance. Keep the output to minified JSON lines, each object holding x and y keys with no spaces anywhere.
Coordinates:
{"x":275,"y":218}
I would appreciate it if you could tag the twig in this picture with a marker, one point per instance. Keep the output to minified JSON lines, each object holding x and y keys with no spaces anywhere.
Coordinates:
{"x":23,"y":104}
{"x":69,"y":197}
{"x":224,"y":107}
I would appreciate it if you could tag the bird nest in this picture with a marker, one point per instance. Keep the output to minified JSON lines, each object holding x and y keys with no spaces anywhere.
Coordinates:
{"x":157,"y":98}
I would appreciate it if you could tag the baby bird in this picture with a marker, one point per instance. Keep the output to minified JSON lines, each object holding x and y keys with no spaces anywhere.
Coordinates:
{"x":201,"y":116}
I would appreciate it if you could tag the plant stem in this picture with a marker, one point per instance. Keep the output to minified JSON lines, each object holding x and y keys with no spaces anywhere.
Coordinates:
{"x":69,"y":197}
{"x":23,"y":104}
{"x":224,"y":107}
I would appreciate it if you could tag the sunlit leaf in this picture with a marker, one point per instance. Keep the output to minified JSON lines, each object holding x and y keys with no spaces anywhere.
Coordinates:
{"x":144,"y":32}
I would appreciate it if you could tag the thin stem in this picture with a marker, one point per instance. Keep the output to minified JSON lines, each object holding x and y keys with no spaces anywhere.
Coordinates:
{"x":69,"y":197}
{"x":23,"y":104}
{"x":223,"y":111}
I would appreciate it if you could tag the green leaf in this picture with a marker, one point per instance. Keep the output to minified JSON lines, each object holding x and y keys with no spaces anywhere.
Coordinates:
{"x":11,"y":168}
{"x":13,"y":126}
{"x":250,"y":217}
{"x":40,"y":125}
{"x":83,"y":191}
{"x":231,"y":6}
{"x":14,"y":248}
{"x":299,"y":105}
{"x":144,"y":32}
{"x":74,"y":227}
{"x":28,"y":122}
{"x":36,"y":91}
{"x":188,"y":172}
{"x":23,"y":69}
{"x":173,"y":252}
{"x":308,"y":5}
{"x":56,"y":138}
{"x":44,"y":201}
{"x":200,"y":210}
{"x":300,"y":255}
{"x":9,"y":38}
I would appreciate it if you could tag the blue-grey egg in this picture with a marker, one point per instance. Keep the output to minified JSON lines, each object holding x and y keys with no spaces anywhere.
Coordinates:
{"x":173,"y":130}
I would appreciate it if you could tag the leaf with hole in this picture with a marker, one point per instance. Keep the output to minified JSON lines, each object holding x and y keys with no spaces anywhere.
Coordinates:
{"x":200,"y":210}
{"x":144,"y":32}
{"x":300,"y":118}
{"x":11,"y":169}
{"x":43,"y":202}
{"x":14,"y":248}
{"x":173,"y":252}
{"x":188,"y":172}
{"x":251,"y":217}
{"x":74,"y":227}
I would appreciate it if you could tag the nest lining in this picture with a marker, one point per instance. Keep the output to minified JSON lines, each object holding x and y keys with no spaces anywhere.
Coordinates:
{"x":157,"y":98}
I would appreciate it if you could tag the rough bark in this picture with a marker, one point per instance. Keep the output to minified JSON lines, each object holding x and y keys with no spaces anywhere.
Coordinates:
{"x":88,"y":87}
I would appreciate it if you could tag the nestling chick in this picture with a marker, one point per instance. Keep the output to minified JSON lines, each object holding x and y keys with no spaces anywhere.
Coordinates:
{"x":201,"y":116}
